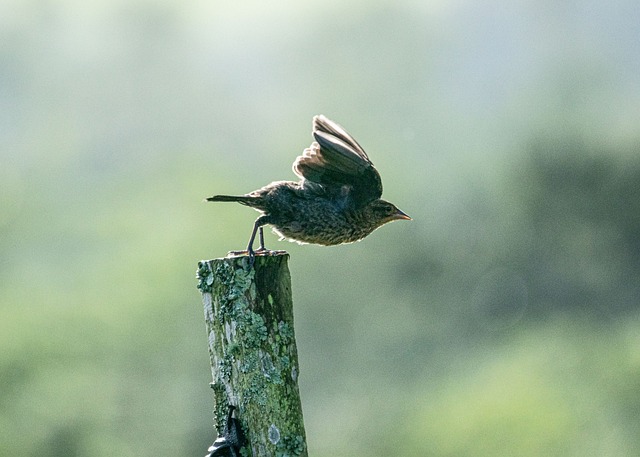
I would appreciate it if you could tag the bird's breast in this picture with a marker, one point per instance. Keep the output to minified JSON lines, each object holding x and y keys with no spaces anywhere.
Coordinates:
{"x":324,"y":224}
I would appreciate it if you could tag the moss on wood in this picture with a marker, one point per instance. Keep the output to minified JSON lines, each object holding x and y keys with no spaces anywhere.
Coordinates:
{"x":254,"y":361}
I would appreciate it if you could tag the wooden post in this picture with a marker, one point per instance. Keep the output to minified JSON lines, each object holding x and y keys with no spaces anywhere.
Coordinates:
{"x":254,"y":361}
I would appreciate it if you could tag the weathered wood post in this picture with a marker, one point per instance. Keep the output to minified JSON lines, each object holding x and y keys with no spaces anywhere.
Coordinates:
{"x":254,"y":360}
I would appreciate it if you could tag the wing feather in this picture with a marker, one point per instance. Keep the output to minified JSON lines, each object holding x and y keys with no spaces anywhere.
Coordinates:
{"x":336,"y":160}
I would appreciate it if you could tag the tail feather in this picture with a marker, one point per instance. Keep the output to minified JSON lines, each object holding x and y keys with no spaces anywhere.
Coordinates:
{"x":245,"y":200}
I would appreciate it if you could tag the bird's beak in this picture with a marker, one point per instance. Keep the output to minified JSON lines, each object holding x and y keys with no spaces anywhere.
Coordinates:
{"x":401,"y":215}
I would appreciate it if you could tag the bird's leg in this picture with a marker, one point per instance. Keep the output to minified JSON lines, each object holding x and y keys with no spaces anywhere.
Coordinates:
{"x":257,"y":225}
{"x":261,"y":248}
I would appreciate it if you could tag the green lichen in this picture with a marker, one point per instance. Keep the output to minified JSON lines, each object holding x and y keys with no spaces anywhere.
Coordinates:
{"x":257,"y":393}
{"x":223,"y":270}
{"x":285,"y":333}
{"x":225,"y":367}
{"x":221,"y":405}
{"x":253,"y":352}
{"x":243,"y":278}
{"x":234,"y":349}
{"x":205,"y":276}
{"x":269,"y":370}
{"x":249,"y":363}
{"x":290,"y":446}
{"x":253,"y":330}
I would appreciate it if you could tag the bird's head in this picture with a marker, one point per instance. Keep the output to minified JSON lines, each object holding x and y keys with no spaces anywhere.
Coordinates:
{"x":382,"y":212}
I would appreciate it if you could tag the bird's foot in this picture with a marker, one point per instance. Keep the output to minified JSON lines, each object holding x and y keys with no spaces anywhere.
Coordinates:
{"x":237,"y":253}
{"x":262,"y":252}
{"x":246,"y":252}
{"x":268,"y":252}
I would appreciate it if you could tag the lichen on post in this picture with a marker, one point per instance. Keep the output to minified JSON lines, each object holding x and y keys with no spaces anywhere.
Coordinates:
{"x":254,"y":361}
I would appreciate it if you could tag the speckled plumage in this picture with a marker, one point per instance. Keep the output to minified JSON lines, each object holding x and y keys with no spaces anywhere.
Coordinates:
{"x":336,"y":201}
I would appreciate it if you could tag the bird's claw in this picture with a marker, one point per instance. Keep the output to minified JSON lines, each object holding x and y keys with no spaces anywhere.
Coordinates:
{"x":252,"y":254}
{"x":237,"y":253}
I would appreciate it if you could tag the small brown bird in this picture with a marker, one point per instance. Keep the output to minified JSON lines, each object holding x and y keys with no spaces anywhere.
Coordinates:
{"x":337,"y":199}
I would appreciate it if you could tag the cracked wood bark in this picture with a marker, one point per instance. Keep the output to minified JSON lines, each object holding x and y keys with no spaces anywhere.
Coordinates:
{"x":254,"y":361}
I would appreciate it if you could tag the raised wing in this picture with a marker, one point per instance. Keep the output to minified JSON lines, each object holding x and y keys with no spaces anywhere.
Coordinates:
{"x":335,"y":160}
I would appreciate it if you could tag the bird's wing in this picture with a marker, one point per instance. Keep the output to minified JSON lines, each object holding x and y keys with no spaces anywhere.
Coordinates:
{"x":336,"y":160}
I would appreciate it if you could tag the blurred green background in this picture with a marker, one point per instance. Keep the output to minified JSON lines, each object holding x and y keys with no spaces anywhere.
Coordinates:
{"x":502,"y":321}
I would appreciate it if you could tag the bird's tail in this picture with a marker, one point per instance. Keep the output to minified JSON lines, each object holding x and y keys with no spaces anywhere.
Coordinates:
{"x":244,"y":199}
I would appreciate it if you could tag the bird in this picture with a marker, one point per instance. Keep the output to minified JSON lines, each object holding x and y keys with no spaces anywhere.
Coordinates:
{"x":336,"y":201}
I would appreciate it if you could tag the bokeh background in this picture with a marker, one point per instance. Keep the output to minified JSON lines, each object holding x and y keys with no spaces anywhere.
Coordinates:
{"x":504,"y":320}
